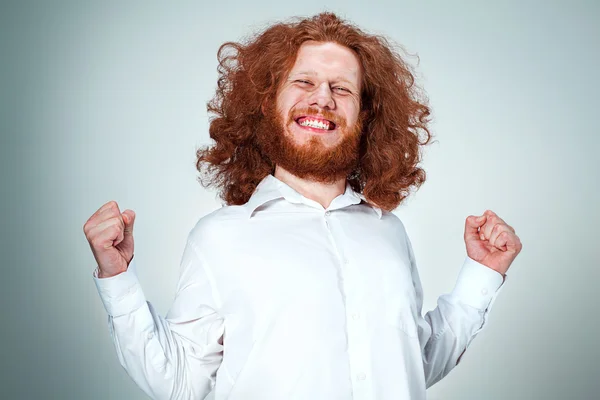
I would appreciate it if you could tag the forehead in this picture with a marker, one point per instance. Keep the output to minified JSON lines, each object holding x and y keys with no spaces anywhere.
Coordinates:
{"x":327,"y":60}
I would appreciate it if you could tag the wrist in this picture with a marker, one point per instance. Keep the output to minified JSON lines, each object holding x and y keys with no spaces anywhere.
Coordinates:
{"x":102,"y":274}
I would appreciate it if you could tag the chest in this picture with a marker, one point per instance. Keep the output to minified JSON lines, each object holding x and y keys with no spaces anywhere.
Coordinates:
{"x":311,"y":263}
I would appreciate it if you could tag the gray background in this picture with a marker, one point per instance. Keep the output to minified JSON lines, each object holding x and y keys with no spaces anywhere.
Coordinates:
{"x":106,"y":101}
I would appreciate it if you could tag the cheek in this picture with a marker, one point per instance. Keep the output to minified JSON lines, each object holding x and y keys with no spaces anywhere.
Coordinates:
{"x":290,"y":99}
{"x":351,"y":110}
{"x":351,"y":118}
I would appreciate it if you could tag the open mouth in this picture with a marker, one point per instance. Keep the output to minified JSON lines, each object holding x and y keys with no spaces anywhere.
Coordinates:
{"x":316,"y":123}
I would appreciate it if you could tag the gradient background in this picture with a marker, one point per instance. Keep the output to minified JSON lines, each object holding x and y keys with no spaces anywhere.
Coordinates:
{"x":106,"y":101}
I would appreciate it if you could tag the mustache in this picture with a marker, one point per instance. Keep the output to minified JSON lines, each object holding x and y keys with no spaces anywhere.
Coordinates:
{"x":313,"y":111}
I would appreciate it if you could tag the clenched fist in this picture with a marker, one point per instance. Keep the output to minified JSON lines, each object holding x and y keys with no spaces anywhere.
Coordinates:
{"x":110,"y":234}
{"x":491,"y":241}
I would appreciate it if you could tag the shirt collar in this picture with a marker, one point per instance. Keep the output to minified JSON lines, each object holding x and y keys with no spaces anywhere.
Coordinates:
{"x":271,"y":188}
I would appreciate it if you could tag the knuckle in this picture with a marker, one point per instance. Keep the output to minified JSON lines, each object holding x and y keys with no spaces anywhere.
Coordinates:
{"x":115,"y":227}
{"x":111,"y":206}
{"x":95,"y":243}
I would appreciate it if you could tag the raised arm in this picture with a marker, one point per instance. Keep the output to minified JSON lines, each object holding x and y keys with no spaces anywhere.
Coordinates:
{"x":176,"y":357}
{"x":447,"y":331}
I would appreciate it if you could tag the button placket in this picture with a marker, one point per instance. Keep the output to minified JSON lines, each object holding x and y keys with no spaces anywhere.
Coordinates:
{"x":325,"y":216}
{"x":358,"y":352}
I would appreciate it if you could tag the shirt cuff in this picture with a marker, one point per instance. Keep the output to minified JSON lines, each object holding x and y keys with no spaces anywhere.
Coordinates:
{"x":478,"y":285}
{"x":121,"y":294}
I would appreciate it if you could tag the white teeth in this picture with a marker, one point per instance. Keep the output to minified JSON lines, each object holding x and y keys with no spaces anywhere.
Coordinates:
{"x":315,"y":124}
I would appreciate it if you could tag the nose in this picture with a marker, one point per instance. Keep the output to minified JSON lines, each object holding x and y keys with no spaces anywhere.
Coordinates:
{"x":322,"y":97}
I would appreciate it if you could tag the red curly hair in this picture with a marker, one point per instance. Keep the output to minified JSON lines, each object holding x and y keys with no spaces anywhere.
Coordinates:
{"x":250,"y":74}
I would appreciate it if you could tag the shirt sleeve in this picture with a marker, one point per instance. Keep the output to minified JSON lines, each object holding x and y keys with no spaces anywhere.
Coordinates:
{"x":446,"y":331}
{"x":173,"y":357}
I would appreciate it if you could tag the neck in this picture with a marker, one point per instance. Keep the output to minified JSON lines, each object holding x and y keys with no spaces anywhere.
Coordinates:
{"x":322,"y":193}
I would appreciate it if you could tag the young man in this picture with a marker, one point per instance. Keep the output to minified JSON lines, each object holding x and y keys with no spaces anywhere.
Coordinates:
{"x":304,"y":286}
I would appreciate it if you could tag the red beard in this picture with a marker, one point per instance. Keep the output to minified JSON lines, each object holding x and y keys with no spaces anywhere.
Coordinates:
{"x":313,"y":160}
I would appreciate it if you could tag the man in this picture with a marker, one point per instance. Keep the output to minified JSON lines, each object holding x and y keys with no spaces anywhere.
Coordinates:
{"x":304,"y":286}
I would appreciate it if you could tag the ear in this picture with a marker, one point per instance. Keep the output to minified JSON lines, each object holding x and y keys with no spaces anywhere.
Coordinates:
{"x":262,"y":107}
{"x":265,"y":103}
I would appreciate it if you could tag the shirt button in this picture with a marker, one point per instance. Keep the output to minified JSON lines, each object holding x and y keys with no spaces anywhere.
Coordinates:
{"x":150,"y":335}
{"x":361,"y":376}
{"x":346,"y":261}
{"x":327,"y":213}
{"x":355,"y":316}
{"x":484,"y":291}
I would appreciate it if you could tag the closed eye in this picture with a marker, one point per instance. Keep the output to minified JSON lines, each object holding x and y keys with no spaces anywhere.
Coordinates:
{"x":342,"y":89}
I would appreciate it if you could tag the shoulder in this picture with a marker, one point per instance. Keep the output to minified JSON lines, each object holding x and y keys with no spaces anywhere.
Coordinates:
{"x":220,"y":224}
{"x":394,"y":222}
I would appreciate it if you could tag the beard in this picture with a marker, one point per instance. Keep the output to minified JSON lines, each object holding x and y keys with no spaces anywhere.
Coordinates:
{"x":313,"y":160}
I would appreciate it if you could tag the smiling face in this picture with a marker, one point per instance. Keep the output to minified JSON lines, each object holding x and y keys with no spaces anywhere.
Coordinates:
{"x":313,"y":128}
{"x":321,"y":96}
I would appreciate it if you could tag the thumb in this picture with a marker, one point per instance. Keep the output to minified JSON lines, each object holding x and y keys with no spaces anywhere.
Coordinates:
{"x":129,"y":219}
{"x":472,"y":224}
{"x":126,"y":243}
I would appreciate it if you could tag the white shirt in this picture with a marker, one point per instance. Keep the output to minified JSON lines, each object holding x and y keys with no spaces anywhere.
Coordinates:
{"x":310,"y":303}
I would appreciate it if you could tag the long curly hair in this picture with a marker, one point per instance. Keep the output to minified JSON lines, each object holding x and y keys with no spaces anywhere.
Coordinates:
{"x":250,"y":73}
